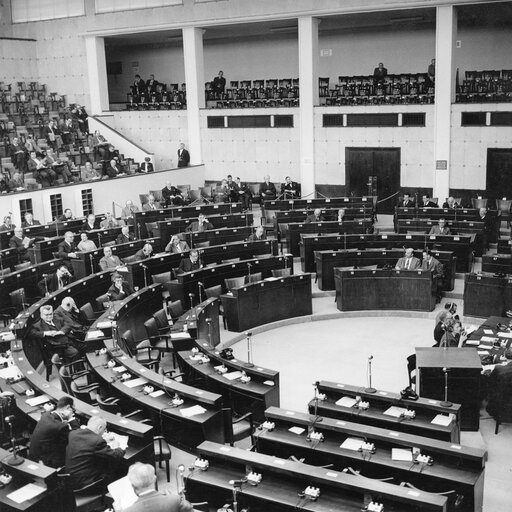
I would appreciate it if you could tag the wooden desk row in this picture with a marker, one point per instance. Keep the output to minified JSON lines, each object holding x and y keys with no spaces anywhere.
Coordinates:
{"x":8,"y":259}
{"x":460,"y":245}
{"x":486,"y":295}
{"x":326,"y":202}
{"x":459,"y":227}
{"x":497,"y":263}
{"x":449,"y":214}
{"x":504,"y":246}
{"x":327,"y":261}
{"x":409,"y":290}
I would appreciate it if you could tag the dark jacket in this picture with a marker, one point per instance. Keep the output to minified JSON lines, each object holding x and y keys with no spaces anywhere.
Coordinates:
{"x":183,"y":157}
{"x":52,"y":283}
{"x":115,"y":294}
{"x":312,"y":218}
{"x":121,"y":239}
{"x":186,"y":265}
{"x":64,"y":249}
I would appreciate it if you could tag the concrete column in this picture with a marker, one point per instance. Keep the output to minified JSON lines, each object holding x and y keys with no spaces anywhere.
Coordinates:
{"x":446,"y":33}
{"x":194,"y":78}
{"x":97,"y":73}
{"x":308,"y":97}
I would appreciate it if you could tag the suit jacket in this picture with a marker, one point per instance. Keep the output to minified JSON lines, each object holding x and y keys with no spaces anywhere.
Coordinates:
{"x":194,"y":226}
{"x":434,"y":265}
{"x":428,"y":204}
{"x":72,"y":319}
{"x":112,"y":172}
{"x":401,"y":263}
{"x":146,"y":167}
{"x":121,"y":239}
{"x":64,"y":249}
{"x":106,"y":224}
{"x":147,"y":208}
{"x":87,"y":227}
{"x":455,"y":205}
{"x":436,"y":230}
{"x":127,"y":213}
{"x":21,"y":250}
{"x":115,"y":294}
{"x":40,"y":327}
{"x":183,"y":157}
{"x":406,"y":204}
{"x":52,"y":283}
{"x":157,"y":501}
{"x":290,"y":190}
{"x":49,"y":439}
{"x":34,"y":223}
{"x":312,"y":218}
{"x":167,"y":194}
{"x":87,"y":455}
{"x":181,"y":247}
{"x":186,"y":265}
{"x":110,"y":263}
{"x":268,"y":190}
{"x":139,"y":255}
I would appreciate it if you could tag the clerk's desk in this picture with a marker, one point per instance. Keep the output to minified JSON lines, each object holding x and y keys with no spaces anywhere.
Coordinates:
{"x":486,"y":295}
{"x":267,"y":301}
{"x":166,"y":228}
{"x":460,"y":245}
{"x":212,"y":255}
{"x":455,"y":467}
{"x":282,"y":479}
{"x":144,"y":217}
{"x":384,"y":289}
{"x":296,"y":229}
{"x":29,"y":472}
{"x":87,"y":262}
{"x":326,"y":261}
{"x":464,"y":369}
{"x":425,"y":410}
{"x":255,"y":396}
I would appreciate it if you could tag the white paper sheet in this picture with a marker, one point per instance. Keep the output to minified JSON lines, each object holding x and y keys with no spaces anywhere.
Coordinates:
{"x":188,"y":412}
{"x":157,"y":393}
{"x":396,"y":412}
{"x":346,"y":401}
{"x":401,"y":454}
{"x":111,"y":437}
{"x":94,"y":334}
{"x":135,"y":382}
{"x":441,"y":419}
{"x":37,"y":400}
{"x":122,"y":492}
{"x":297,"y":430}
{"x":352,"y":443}
{"x":119,"y":369}
{"x":232,"y":375}
{"x":26,"y":493}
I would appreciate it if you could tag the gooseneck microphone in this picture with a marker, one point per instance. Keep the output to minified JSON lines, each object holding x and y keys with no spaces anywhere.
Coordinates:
{"x":446,"y":402}
{"x":369,"y":388}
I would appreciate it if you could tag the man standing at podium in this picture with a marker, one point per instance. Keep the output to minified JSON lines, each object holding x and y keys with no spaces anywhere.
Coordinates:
{"x":436,"y":267}
{"x":408,"y":262}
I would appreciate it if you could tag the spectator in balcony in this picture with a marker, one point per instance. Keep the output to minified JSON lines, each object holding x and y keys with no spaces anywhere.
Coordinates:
{"x":125,"y":236}
{"x":85,"y":244}
{"x":19,"y":156}
{"x":43,"y":174}
{"x":81,"y":117}
{"x":128,"y":211}
{"x":245,"y":193}
{"x":144,"y":253}
{"x":7,"y":225}
{"x":139,"y":86}
{"x":29,"y":221}
{"x":21,"y":245}
{"x":151,"y":204}
{"x":177,"y":245}
{"x":17,"y":182}
{"x":109,"y":222}
{"x":4,"y":183}
{"x":432,"y":70}
{"x":233,"y":191}
{"x":379,"y":74}
{"x":267,"y":190}
{"x":91,"y":223}
{"x":146,"y":166}
{"x":114,"y":169}
{"x":219,"y":84}
{"x":109,"y":261}
{"x":290,"y":189}
{"x":451,"y":203}
{"x":151,"y":85}
{"x":66,"y":216}
{"x":221,"y":194}
{"x":31,"y":144}
{"x":172,"y":196}
{"x":59,"y":167}
{"x":90,"y":173}
{"x":100,"y":145}
{"x":51,"y":132}
{"x":183,"y":156}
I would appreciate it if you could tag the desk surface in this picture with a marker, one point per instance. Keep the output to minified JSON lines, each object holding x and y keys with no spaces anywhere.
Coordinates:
{"x":427,"y":357}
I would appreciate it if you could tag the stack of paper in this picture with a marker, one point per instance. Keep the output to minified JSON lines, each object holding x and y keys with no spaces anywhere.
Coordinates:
{"x":26,"y":493}
{"x":135,"y":382}
{"x":442,"y":420}
{"x":233,"y":375}
{"x":297,"y":430}
{"x":396,"y":412}
{"x":346,"y":401}
{"x":188,"y":412}
{"x":94,"y":334}
{"x":401,"y":454}
{"x":352,"y":443}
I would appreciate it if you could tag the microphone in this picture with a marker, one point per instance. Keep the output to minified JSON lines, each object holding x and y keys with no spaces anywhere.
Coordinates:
{"x":46,"y":275}
{"x":191,"y":297}
{"x":446,"y":402}
{"x":369,"y":388}
{"x":143,"y":266}
{"x":238,"y":482}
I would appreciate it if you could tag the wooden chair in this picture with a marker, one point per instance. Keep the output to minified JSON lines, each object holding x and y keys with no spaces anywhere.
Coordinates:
{"x":237,"y":428}
{"x":478,"y":203}
{"x":281,"y":272}
{"x":163,"y":454}
{"x":234,"y":282}
{"x":216,"y":291}
{"x":142,"y":351}
{"x":254,"y":278}
{"x":89,"y":313}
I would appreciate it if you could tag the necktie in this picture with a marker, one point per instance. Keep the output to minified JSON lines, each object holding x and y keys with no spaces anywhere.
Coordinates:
{"x":60,"y":283}
{"x":408,"y":263}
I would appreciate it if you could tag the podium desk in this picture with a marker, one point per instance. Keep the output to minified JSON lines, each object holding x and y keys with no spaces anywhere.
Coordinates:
{"x":486,"y":295}
{"x":410,"y":290}
{"x":464,"y":369}
{"x":267,"y":301}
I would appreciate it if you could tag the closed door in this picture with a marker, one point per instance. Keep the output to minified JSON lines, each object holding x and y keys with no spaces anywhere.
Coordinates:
{"x":383,"y":163}
{"x":499,"y":174}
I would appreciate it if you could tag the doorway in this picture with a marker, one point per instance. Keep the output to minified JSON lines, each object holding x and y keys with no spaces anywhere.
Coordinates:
{"x":382,"y":163}
{"x":499,"y":174}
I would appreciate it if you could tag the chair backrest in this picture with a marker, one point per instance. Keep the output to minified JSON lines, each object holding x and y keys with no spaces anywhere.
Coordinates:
{"x":234,"y":282}
{"x":175,"y":309}
{"x":254,"y":278}
{"x":65,"y":379}
{"x":194,"y":195}
{"x":478,"y":203}
{"x":157,"y":194}
{"x":162,"y":278}
{"x":151,"y":327}
{"x":88,"y":312}
{"x":160,"y":317}
{"x":108,"y":406}
{"x":21,"y":266}
{"x":213,"y":291}
{"x":100,"y":301}
{"x":201,"y":245}
{"x":281,"y":272}
{"x":130,"y":259}
{"x":127,"y":342}
{"x":503,"y":205}
{"x":18,"y":297}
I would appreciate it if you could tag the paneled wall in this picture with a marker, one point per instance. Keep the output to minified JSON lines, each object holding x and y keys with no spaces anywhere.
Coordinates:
{"x":18,"y":61}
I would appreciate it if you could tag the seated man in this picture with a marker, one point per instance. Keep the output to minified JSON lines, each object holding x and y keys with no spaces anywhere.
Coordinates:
{"x":144,"y":253}
{"x":176,"y":245}
{"x":109,"y":222}
{"x":42,"y":173}
{"x":17,"y":182}
{"x":119,"y":289}
{"x":379,"y":73}
{"x":202,"y":224}
{"x":267,"y":190}
{"x":21,"y":244}
{"x":88,"y":456}
{"x":143,"y":479}
{"x":172,"y":196}
{"x":259,"y":234}
{"x":440,"y":229}
{"x":191,"y":263}
{"x":406,"y":202}
{"x":125,"y":236}
{"x":450,"y":203}
{"x":341,"y":215}
{"x":109,"y":261}
{"x":56,"y":281}
{"x":221,"y":194}
{"x":233,"y":191}
{"x":57,"y":165}
{"x":426,"y":202}
{"x":290,"y":189}
{"x":50,"y":436}
{"x":114,"y":169}
{"x":244,"y":192}
{"x":151,"y":204}
{"x":316,"y":216}
{"x":91,"y":223}
{"x":54,"y":333}
{"x":146,"y":166}
{"x":408,"y":262}
{"x":29,"y":221}
{"x":8,"y":224}
{"x":66,"y":250}
{"x":85,"y":244}
{"x":90,"y":173}
{"x":72,"y":317}
{"x":66,"y":216}
{"x":128,"y":211}
{"x":436,"y":267}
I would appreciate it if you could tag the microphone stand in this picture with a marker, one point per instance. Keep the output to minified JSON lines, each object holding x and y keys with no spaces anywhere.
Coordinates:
{"x":249,"y":363}
{"x":92,"y":263}
{"x":209,"y":324}
{"x":446,"y":402}
{"x":14,"y":459}
{"x":22,"y":294}
{"x":369,"y":389}
{"x":249,"y":272}
{"x":99,"y":239}
{"x":199,"y":287}
{"x":316,"y":419}
{"x":145,"y":270}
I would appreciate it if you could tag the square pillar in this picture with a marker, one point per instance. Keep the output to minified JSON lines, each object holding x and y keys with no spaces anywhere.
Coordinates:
{"x":97,"y":74}
{"x":308,"y":97}
{"x":446,"y":34}
{"x":194,"y":78}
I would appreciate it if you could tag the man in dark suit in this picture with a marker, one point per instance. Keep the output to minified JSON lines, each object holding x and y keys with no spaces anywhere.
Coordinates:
{"x":244,"y":192}
{"x":408,"y":262}
{"x":67,"y":249}
{"x":316,"y":216}
{"x":488,"y":233}
{"x":146,"y":166}
{"x":29,"y":221}
{"x":406,"y":202}
{"x":379,"y":73}
{"x":53,"y":282}
{"x":143,"y":479}
{"x":19,"y":156}
{"x":91,"y":223}
{"x":114,"y":169}
{"x":436,"y":267}
{"x":50,"y":437}
{"x":54,"y":333}
{"x":144,"y":253}
{"x":191,"y":263}
{"x":183,"y":156}
{"x":290,"y":189}
{"x":70,"y":316}
{"x":233,"y":191}
{"x":201,"y":224}
{"x":267,"y":190}
{"x":21,"y":245}
{"x":66,"y":216}
{"x":125,"y":236}
{"x":219,"y":84}
{"x":427,"y":203}
{"x":172,"y":196}
{"x":89,"y":457}
{"x":451,"y":203}
{"x":120,"y":289}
